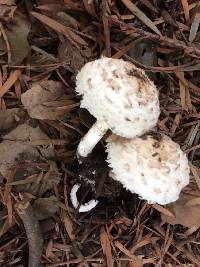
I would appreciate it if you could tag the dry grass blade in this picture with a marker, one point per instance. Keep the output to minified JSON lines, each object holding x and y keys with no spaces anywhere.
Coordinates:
{"x":141,"y":16}
{"x":9,"y":83}
{"x":105,"y":243}
{"x":66,"y":31}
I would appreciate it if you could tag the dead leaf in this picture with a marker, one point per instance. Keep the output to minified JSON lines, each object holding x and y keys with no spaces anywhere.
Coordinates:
{"x":16,"y":146}
{"x":45,"y":207}
{"x":11,"y":151}
{"x":105,"y":243}
{"x":17,"y":38}
{"x":46,"y":100}
{"x":186,"y":212}
{"x":10,"y":118}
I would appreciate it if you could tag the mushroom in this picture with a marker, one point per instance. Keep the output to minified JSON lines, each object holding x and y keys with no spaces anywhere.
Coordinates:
{"x":121,"y":98}
{"x":154,"y":167}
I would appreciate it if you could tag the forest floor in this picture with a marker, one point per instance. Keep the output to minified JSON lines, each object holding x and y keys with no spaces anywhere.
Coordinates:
{"x":43,"y":45}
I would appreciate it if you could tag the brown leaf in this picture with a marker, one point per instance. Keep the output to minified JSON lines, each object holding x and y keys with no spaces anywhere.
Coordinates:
{"x":46,"y":100}
{"x":105,"y":243}
{"x":17,"y":39}
{"x":185,"y":214}
{"x":10,"y":118}
{"x":16,"y":147}
{"x":45,"y":207}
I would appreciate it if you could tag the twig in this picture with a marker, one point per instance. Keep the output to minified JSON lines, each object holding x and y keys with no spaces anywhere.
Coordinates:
{"x":33,"y":232}
{"x":162,"y":39}
{"x":106,"y":27}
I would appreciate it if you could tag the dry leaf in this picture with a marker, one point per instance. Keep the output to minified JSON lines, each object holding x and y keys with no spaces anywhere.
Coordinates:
{"x":45,"y":207}
{"x":10,"y":118}
{"x":17,"y":38}
{"x":186,"y":211}
{"x":16,"y":146}
{"x":47,"y":100}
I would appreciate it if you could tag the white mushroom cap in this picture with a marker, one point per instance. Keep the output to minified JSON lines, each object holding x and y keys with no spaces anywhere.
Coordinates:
{"x":119,"y":94}
{"x":156,"y":169}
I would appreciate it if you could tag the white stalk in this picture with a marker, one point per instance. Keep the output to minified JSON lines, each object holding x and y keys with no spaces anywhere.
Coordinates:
{"x":85,"y":207}
{"x":91,"y":138}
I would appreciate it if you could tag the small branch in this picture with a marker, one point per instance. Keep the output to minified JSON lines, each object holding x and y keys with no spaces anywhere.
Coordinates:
{"x":106,"y":27}
{"x":155,"y":37}
{"x":33,"y":232}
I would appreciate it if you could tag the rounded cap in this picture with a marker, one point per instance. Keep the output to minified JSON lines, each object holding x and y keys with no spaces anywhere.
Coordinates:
{"x":153,"y":167}
{"x":118,"y":93}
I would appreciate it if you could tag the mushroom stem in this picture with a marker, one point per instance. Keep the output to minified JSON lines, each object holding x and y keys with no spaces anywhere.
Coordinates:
{"x":91,"y":138}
